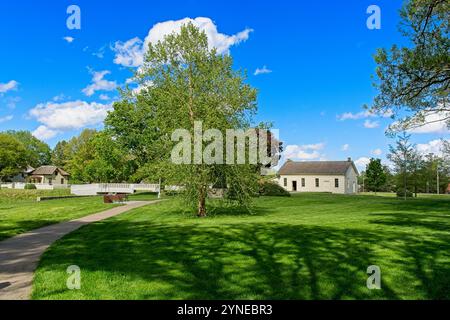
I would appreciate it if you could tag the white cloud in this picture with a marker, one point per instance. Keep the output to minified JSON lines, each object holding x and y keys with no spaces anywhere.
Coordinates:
{"x":104,"y":97}
{"x":435,"y":123}
{"x":6,"y":118}
{"x":44,"y":133}
{"x":131,"y":53}
{"x":377,"y":152}
{"x":11,"y":85}
{"x":70,"y":115}
{"x":363,"y":115}
{"x":69,"y":39}
{"x":371,"y":124}
{"x":361,"y":163}
{"x":433,"y":146}
{"x":262,"y":70}
{"x":304,"y":152}
{"x":99,"y":84}
{"x":345,"y":147}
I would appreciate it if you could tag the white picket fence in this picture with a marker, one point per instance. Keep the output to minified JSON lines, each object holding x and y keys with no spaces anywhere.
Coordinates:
{"x":39,"y":186}
{"x":106,"y":188}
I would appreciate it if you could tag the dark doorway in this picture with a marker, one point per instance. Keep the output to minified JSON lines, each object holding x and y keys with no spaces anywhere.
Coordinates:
{"x":294,"y":185}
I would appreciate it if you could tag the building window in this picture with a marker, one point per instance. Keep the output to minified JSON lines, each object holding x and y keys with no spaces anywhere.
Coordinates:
{"x":285,"y":182}
{"x":303,"y":182}
{"x":62,"y":180}
{"x":336,"y":183}
{"x":317,"y":182}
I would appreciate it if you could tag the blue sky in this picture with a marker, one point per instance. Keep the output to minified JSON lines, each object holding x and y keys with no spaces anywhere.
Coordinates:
{"x":315,"y":57}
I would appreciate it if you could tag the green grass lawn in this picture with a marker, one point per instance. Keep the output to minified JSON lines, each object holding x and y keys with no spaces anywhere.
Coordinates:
{"x":309,"y":246}
{"x":419,"y":195}
{"x":19,"y":211}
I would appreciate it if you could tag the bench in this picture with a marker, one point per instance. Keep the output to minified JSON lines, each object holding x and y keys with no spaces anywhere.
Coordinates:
{"x":115,"y":198}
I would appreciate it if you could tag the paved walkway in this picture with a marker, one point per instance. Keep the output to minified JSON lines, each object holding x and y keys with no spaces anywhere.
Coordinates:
{"x":19,"y":256}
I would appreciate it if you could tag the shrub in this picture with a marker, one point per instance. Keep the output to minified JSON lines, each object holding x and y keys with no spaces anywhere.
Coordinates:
{"x":401,"y":193}
{"x":267,"y":188}
{"x":30,"y":186}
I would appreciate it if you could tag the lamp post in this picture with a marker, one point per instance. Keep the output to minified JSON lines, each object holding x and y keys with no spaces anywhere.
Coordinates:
{"x":437,"y":177}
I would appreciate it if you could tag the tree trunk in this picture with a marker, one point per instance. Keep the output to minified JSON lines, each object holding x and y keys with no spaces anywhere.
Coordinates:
{"x":202,"y":203}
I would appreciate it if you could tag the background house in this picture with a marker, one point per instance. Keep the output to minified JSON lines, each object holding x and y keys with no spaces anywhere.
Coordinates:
{"x":50,"y":175}
{"x":319,"y":176}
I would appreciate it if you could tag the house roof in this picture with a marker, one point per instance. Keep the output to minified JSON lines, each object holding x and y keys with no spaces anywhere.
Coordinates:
{"x":316,"y":167}
{"x":49,"y":170}
{"x":29,"y":169}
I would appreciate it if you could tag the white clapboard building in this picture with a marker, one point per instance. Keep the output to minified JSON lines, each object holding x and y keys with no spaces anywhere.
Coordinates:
{"x":319,"y":176}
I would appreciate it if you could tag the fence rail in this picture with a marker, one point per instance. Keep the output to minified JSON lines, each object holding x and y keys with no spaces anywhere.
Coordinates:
{"x":103,"y":188}
{"x":90,"y":189}
{"x":39,"y":186}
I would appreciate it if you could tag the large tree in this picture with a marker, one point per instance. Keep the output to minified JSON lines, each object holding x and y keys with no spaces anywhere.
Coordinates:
{"x":38,"y":152}
{"x":59,"y":155}
{"x":183,"y":81}
{"x":413,"y":80}
{"x":13,"y":156}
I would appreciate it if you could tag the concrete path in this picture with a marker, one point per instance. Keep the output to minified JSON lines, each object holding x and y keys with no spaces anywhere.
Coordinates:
{"x":19,"y":256}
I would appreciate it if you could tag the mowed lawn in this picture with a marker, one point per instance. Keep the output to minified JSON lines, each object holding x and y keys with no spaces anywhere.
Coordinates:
{"x":309,"y":246}
{"x":20,"y":212}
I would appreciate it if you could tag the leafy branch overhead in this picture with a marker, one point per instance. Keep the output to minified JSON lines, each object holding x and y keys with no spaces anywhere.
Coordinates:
{"x":413,"y":81}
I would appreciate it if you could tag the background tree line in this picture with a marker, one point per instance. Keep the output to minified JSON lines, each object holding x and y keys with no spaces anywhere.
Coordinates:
{"x":411,"y":172}
{"x":92,"y":156}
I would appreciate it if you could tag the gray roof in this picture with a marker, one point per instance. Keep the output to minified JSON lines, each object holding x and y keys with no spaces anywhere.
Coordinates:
{"x":316,"y":167}
{"x":49,"y":170}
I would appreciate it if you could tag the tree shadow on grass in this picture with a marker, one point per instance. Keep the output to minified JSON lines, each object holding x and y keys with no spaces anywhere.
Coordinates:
{"x":434,"y":222}
{"x":426,"y":244}
{"x":231,"y":261}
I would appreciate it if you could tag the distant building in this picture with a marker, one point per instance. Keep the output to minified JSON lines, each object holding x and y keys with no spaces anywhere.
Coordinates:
{"x":50,"y":175}
{"x":319,"y":176}
{"x":448,"y":189}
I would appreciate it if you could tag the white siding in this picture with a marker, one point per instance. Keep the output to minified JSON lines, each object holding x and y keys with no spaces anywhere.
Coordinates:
{"x":326,"y":183}
{"x":348,"y":184}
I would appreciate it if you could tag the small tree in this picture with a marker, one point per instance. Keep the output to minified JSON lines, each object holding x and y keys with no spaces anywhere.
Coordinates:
{"x":406,"y":160}
{"x":375,"y":175}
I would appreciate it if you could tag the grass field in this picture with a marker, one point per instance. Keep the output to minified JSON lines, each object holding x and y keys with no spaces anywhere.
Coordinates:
{"x":419,"y":195}
{"x":309,"y":246}
{"x":19,"y":211}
